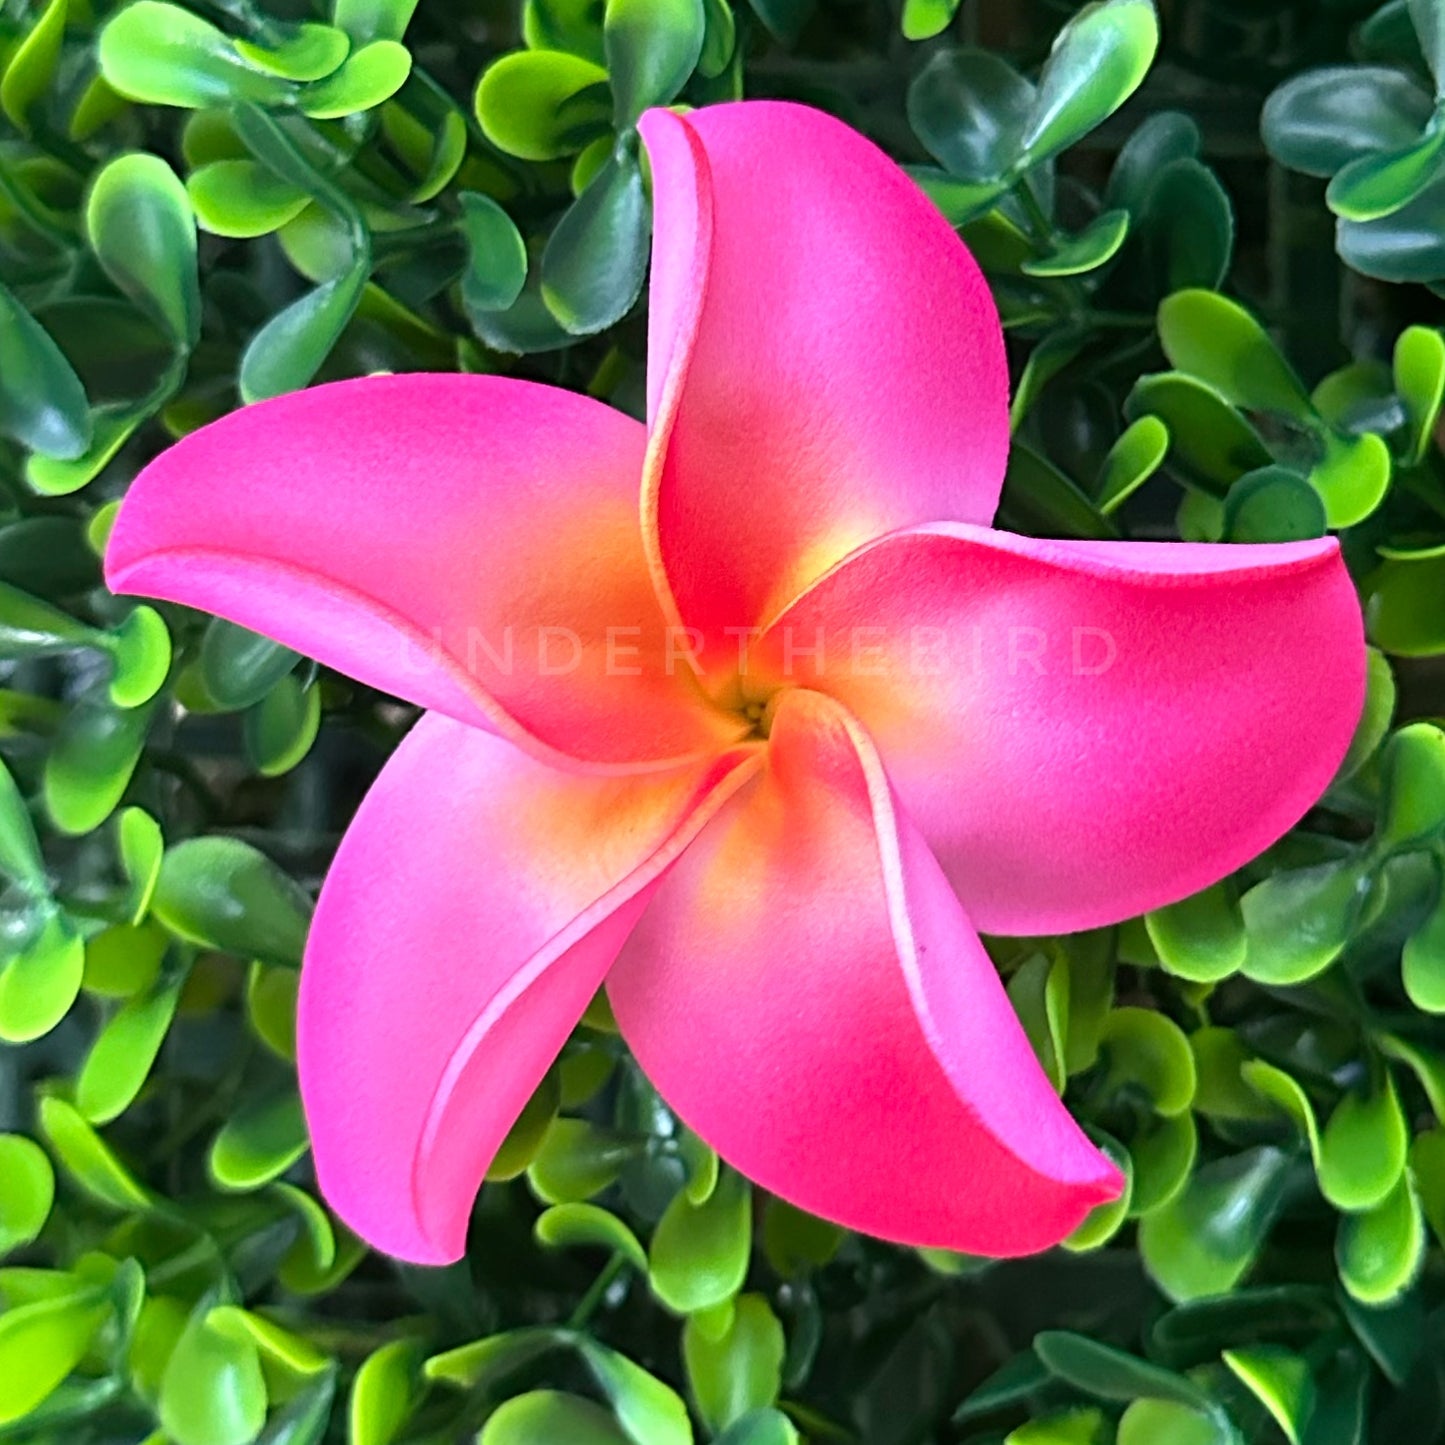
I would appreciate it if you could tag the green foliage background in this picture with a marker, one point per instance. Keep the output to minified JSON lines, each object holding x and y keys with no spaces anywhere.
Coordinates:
{"x":1222,"y":325}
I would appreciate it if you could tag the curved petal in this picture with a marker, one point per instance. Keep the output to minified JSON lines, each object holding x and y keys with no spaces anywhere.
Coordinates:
{"x":467,"y":542}
{"x":825,"y":362}
{"x":1086,"y":730}
{"x":473,"y":908}
{"x":805,"y":990}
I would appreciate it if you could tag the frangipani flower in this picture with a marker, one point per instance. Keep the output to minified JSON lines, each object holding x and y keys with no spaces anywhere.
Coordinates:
{"x":746,"y":713}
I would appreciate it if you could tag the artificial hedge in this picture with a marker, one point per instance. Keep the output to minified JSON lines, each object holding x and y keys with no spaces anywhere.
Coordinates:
{"x":1218,"y":266}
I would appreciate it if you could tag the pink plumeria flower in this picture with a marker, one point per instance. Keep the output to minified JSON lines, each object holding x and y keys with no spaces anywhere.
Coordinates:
{"x":747,"y":713}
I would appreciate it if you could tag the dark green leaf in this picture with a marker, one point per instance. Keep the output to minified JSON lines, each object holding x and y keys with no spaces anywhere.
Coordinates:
{"x":1320,"y":121}
{"x":42,"y":403}
{"x":969,"y":108}
{"x":596,"y":259}
{"x":143,"y":233}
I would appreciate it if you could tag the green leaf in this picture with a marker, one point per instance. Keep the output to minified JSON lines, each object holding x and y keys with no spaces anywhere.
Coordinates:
{"x":700,"y":1252}
{"x":1105,"y":1373}
{"x":1287,"y":1092}
{"x":923,"y":19}
{"x":543,"y":1417}
{"x":577,"y":1160}
{"x":969,"y":108}
{"x":1163,"y":1422}
{"x":1352,"y":477}
{"x":1096,"y":64}
{"x":1149,"y":1051}
{"x":122,"y":961}
{"x":40,"y":983}
{"x":30,"y":71}
{"x":1221,"y":1091}
{"x":1205,"y":1240}
{"x":596,"y":258}
{"x":285,"y":1351}
{"x":243,"y":198}
{"x":1105,"y":1220}
{"x":1320,"y":121}
{"x":213,"y":1391}
{"x":281,"y":728}
{"x":165,"y":55}
{"x":1419,"y":370}
{"x":27,"y":1191}
{"x":370,"y":75}
{"x":1273,"y":504}
{"x":271,"y":995}
{"x":259,"y":1144}
{"x":1379,"y":1253}
{"x":652,"y":47}
{"x":1281,"y":1381}
{"x":1384,"y":182}
{"x":1130,"y":462}
{"x":1217,"y":341}
{"x":1163,"y":1155}
{"x":795,"y":1241}
{"x":140,"y":650}
{"x":1413,"y":787}
{"x":1200,"y":938}
{"x":524,"y":1141}
{"x":382,"y":1394}
{"x":739,"y":1371}
{"x":123,"y":1055}
{"x":1038,"y":498}
{"x":720,"y":40}
{"x":239,"y":668}
{"x":648,"y":1410}
{"x":40,"y":1344}
{"x":1096,"y":244}
{"x":1393,"y":1334}
{"x":141,"y":849}
{"x":496,"y":255}
{"x":1038,"y":991}
{"x":578,"y":1225}
{"x":309,"y":52}
{"x":1429,"y":23}
{"x":762,"y":1427}
{"x":288,"y":351}
{"x":1408,"y":245}
{"x":20,"y":857}
{"x":1165,"y":137}
{"x":1400,"y":606}
{"x":87,"y":1159}
{"x":540,"y":105}
{"x":1069,"y":1427}
{"x":91,"y":762}
{"x":143,"y":233}
{"x":1363,"y":1148}
{"x":113,"y":427}
{"x":43,"y":405}
{"x":1186,"y":227}
{"x":222,"y":893}
{"x":1422,"y":962}
{"x":1209,"y":440}
{"x":1298,"y":922}
{"x":368,"y":20}
{"x":1379,"y":712}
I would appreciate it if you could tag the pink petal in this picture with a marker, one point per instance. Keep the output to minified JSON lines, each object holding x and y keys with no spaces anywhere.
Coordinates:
{"x":474,"y":906}
{"x":825,"y":360}
{"x":423,"y":534}
{"x":805,"y":990}
{"x":1086,"y":730}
